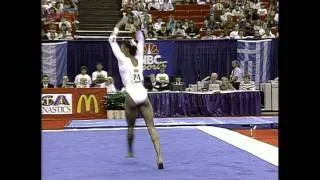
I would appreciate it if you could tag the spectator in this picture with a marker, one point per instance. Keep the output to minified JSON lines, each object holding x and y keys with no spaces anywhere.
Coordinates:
{"x":241,"y":35}
{"x":154,"y":5}
{"x":64,"y":22}
{"x":262,"y":11}
{"x":52,"y":15}
{"x":256,"y":34}
{"x":152,"y":85}
{"x":213,"y":80}
{"x":276,"y":17}
{"x":247,"y":84}
{"x":208,"y":35}
{"x":237,"y":11}
{"x":201,"y":2}
{"x":52,"y":35}
{"x":236,"y":74}
{"x":157,"y":25}
{"x":235,"y":32}
{"x":268,"y":34}
{"x":167,"y":5}
{"x":178,"y":32}
{"x":43,"y":35}
{"x":109,"y":84}
{"x":70,"y":6}
{"x":226,"y":85}
{"x":171,"y":25}
{"x":248,"y":30}
{"x":150,"y":29}
{"x":225,"y":16}
{"x":185,"y":24}
{"x":58,"y":5}
{"x":83,"y":80}
{"x":45,"y":82}
{"x":255,"y":4}
{"x":177,"y":85}
{"x":205,"y":25}
{"x":151,"y":36}
{"x":65,"y":33}
{"x":163,"y":33}
{"x":163,"y":79}
{"x":192,"y":32}
{"x":66,"y":83}
{"x":99,"y":76}
{"x":217,"y":8}
{"x":146,"y":19}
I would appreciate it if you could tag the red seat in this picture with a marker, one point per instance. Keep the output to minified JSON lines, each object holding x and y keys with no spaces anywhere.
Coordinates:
{"x":196,"y":18}
{"x":181,"y":13}
{"x":194,"y":13}
{"x":205,"y":12}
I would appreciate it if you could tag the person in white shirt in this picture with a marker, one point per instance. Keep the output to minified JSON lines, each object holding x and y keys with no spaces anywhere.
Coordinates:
{"x":163,"y":79}
{"x":201,"y":2}
{"x":237,"y":11}
{"x":83,"y":80}
{"x":247,"y":84}
{"x":208,"y":35}
{"x":167,"y":5}
{"x":157,"y":25}
{"x":109,"y":84}
{"x":99,"y":77}
{"x":262,"y":11}
{"x":235,"y":32}
{"x":268,"y":34}
{"x":224,"y":17}
{"x":154,"y":4}
{"x":276,"y":17}
{"x":130,"y":62}
{"x":236,"y":74}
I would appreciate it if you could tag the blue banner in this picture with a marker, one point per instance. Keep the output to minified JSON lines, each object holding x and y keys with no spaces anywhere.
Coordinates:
{"x":158,"y":54}
{"x":54,"y":61}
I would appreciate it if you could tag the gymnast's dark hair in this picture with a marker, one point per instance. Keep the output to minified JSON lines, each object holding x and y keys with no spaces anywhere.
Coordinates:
{"x":132,"y":49}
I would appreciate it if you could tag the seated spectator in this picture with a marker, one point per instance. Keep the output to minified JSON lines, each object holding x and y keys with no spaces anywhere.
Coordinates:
{"x":65,"y":34}
{"x":64,"y":22}
{"x":192,"y":32}
{"x":154,"y":5}
{"x":157,"y":25}
{"x":255,"y":4}
{"x":163,"y":79}
{"x":241,"y":35}
{"x":213,"y":80}
{"x":185,"y":24}
{"x":247,"y":84}
{"x":45,"y":82}
{"x":177,"y":85}
{"x":163,"y":33}
{"x":151,"y":36}
{"x":262,"y":11}
{"x":52,"y":35}
{"x":167,"y":5}
{"x":217,"y":8}
{"x":146,"y":19}
{"x":257,"y":25}
{"x":43,"y":35}
{"x":99,"y":76}
{"x":66,"y":83}
{"x":216,"y":26}
{"x":152,"y":84}
{"x":58,"y":5}
{"x":70,"y":6}
{"x":109,"y":84}
{"x":201,"y":2}
{"x":257,"y":35}
{"x":52,"y":16}
{"x":268,"y":34}
{"x":235,"y":32}
{"x":178,"y":32}
{"x":208,"y":35}
{"x":83,"y":80}
{"x":150,"y":29}
{"x":237,"y":11}
{"x":205,"y":25}
{"x":248,"y":30}
{"x":276,"y":17}
{"x":225,"y":16}
{"x":171,"y":25}
{"x":226,"y":85}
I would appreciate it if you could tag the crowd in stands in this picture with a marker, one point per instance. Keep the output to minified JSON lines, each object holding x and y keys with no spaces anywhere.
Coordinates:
{"x":231,"y":19}
{"x":59,"y":19}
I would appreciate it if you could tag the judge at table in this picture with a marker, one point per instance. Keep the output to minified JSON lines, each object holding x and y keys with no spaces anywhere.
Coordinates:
{"x":45,"y":82}
{"x":163,"y":79}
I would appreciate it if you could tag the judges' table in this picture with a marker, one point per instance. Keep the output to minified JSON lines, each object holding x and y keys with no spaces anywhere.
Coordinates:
{"x":235,"y":103}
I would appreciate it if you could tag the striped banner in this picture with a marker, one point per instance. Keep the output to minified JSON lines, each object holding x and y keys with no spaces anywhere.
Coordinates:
{"x":54,"y":61}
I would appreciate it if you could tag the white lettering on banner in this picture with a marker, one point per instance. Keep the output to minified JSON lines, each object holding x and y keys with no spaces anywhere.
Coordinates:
{"x":56,"y":103}
{"x":151,"y":56}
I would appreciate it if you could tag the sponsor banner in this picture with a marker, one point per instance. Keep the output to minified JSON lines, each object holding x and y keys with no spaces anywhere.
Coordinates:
{"x":56,"y":103}
{"x":158,"y":54}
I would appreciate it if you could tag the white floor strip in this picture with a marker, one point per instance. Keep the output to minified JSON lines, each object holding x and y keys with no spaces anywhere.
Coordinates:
{"x":116,"y":129}
{"x":260,"y":149}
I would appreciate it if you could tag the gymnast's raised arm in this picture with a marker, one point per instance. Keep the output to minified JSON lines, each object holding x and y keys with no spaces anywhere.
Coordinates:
{"x":140,"y":45}
{"x":116,"y":50}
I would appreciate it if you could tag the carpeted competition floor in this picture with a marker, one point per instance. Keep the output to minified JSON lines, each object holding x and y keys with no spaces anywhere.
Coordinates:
{"x":190,"y":154}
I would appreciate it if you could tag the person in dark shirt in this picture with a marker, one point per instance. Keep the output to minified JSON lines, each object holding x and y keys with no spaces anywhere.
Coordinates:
{"x":163,"y":33}
{"x":192,"y":31}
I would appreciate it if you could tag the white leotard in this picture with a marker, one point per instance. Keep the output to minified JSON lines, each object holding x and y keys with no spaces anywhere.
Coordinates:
{"x":132,"y":77}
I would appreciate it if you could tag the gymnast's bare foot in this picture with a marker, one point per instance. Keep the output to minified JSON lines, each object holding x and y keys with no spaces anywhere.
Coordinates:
{"x":160,"y":163}
{"x":130,"y":155}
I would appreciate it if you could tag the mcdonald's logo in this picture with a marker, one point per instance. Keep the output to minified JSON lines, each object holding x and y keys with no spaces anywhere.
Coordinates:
{"x":87,"y":103}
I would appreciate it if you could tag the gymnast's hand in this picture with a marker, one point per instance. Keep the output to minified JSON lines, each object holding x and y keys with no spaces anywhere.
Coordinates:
{"x":112,"y":38}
